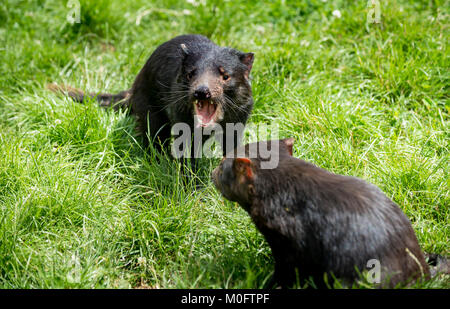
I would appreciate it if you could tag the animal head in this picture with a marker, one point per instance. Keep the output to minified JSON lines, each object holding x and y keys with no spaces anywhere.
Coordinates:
{"x":216,"y":78}
{"x":235,"y":176}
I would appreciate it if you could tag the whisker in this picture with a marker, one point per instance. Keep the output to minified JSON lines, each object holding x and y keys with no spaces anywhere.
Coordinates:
{"x":232,"y":103}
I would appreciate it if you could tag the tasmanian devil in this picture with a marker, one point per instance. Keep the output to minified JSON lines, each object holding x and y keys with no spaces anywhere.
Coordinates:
{"x":317,"y":222}
{"x":187,"y":78}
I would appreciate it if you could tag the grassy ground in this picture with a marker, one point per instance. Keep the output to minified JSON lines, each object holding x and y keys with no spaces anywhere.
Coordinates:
{"x":83,"y":206}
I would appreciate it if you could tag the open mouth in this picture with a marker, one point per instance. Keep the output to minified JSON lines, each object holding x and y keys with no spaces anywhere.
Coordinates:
{"x":206,"y":111}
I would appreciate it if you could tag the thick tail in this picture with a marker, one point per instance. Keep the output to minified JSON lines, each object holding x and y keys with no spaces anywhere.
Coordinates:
{"x":116,"y":101}
{"x":438,"y":264}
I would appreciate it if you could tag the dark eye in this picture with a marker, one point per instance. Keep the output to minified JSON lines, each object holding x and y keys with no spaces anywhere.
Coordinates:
{"x":225,"y":76}
{"x":190,"y":74}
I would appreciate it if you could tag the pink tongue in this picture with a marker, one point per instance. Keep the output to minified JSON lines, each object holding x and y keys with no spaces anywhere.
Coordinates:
{"x":206,"y":113}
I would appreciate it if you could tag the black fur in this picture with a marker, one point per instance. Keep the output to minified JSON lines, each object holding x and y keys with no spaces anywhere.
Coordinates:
{"x":318,"y":222}
{"x":178,"y":73}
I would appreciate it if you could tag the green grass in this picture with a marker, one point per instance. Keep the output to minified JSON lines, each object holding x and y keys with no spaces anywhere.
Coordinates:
{"x":83,"y":206}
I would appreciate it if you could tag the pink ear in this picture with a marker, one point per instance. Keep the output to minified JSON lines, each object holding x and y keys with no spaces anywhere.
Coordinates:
{"x":247,"y":59}
{"x":244,"y":166}
{"x":289,"y":142}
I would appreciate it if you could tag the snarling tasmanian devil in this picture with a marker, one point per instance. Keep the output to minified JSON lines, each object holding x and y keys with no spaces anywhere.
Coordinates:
{"x":189,"y":80}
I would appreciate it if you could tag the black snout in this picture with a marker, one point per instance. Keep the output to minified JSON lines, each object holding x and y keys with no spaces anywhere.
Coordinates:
{"x":202,"y":93}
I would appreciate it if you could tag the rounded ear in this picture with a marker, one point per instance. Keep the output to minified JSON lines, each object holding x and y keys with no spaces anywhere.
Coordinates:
{"x":243,"y":166}
{"x":247,"y":59}
{"x":289,"y":142}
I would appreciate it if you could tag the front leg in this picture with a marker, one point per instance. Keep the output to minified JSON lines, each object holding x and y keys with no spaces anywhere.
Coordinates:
{"x":190,"y":160}
{"x":157,"y":132}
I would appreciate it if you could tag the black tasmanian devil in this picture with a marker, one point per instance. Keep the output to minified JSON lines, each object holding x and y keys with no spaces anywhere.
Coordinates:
{"x":318,"y":222}
{"x":185,"y":78}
